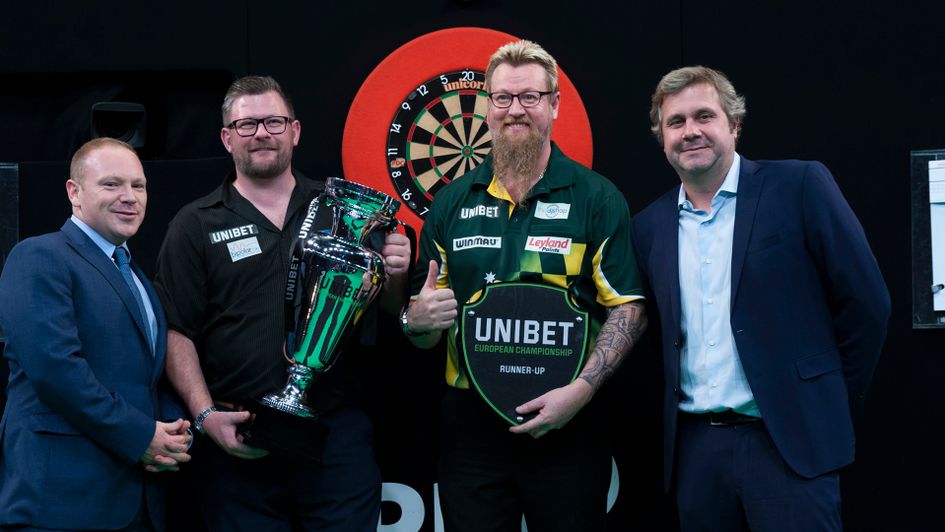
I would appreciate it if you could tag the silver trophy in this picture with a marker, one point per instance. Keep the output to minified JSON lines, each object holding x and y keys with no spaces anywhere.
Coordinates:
{"x":338,"y":277}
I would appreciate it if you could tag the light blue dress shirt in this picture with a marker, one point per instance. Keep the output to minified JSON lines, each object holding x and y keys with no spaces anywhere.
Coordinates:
{"x":711,"y":375}
{"x":109,"y":249}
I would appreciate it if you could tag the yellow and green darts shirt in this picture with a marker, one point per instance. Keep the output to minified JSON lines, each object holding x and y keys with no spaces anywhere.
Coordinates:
{"x":573,"y":231}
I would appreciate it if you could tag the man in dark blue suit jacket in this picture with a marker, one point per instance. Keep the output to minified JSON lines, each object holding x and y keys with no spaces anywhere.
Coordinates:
{"x":79,"y":444}
{"x":773,"y":313}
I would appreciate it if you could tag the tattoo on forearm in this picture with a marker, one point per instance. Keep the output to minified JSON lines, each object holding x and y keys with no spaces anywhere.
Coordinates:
{"x":616,"y":338}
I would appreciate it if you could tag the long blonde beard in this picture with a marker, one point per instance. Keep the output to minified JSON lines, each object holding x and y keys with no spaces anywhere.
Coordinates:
{"x":516,"y":163}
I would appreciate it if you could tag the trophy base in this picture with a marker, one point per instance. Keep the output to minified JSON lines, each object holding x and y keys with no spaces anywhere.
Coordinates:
{"x":285,"y":434}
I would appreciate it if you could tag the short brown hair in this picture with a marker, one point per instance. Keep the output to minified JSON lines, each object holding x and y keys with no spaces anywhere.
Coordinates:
{"x":732,"y":103}
{"x":253,"y":86}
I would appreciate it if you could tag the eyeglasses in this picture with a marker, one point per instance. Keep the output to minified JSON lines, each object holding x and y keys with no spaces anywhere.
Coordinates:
{"x":503,"y":100}
{"x":246,"y":127}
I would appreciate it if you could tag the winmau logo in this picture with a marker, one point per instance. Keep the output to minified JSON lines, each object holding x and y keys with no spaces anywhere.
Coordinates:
{"x":549,"y":244}
{"x":477,"y":241}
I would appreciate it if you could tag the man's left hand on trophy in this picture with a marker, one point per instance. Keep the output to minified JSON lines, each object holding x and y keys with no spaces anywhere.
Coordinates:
{"x":396,"y":254}
{"x":397,"y":260}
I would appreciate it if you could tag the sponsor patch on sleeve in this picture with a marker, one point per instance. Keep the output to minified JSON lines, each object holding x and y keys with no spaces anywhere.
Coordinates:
{"x":552,"y":211}
{"x":548,"y":244}
{"x":241,"y":249}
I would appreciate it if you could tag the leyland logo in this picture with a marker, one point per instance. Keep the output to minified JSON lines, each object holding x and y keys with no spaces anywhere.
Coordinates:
{"x":548,"y":244}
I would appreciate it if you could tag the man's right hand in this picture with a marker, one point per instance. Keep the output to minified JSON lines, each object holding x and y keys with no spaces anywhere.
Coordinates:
{"x":221,"y":427}
{"x":435,"y":308}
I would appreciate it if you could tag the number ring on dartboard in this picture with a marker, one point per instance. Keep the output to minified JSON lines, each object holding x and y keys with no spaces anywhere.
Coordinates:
{"x":438,"y":134}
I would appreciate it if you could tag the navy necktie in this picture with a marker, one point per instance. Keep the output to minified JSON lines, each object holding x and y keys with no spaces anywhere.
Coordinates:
{"x":123,"y":259}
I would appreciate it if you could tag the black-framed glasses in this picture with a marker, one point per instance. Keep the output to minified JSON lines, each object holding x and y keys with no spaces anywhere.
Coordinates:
{"x":246,"y":127}
{"x":503,"y":100}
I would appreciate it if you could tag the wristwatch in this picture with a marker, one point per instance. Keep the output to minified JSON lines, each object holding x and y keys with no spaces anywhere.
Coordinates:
{"x":201,"y":417}
{"x":405,"y":326}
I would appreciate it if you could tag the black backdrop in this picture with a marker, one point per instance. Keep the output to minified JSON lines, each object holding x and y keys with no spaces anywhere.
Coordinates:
{"x":856,"y":86}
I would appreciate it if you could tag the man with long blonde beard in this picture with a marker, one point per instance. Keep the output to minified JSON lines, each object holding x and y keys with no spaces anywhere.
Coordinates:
{"x":555,"y":467}
{"x":515,"y":153}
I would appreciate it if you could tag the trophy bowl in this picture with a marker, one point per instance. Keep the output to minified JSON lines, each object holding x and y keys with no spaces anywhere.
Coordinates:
{"x":358,"y":210}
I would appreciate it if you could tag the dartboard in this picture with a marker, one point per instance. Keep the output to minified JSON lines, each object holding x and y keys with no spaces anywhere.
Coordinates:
{"x":438,"y":134}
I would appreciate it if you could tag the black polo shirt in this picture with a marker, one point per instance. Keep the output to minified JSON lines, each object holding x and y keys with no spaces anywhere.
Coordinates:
{"x":221,"y":276}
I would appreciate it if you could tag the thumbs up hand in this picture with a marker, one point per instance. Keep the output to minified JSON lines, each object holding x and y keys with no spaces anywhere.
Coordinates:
{"x":433,"y":271}
{"x":435,"y":308}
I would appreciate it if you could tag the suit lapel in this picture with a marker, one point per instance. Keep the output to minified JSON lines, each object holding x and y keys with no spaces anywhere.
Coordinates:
{"x":669,"y":234}
{"x":663,"y":266}
{"x":160,"y":341}
{"x":750,"y":181}
{"x":94,"y":256}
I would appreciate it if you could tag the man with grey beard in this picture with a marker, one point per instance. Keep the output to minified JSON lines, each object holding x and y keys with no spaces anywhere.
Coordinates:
{"x":222,"y":275}
{"x":528,"y":213}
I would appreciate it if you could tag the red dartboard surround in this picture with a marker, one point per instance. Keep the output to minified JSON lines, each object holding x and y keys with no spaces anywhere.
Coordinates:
{"x":418,"y":119}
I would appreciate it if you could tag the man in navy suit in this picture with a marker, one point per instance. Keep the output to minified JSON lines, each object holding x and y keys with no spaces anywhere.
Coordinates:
{"x":773,"y":312}
{"x":79,"y":444}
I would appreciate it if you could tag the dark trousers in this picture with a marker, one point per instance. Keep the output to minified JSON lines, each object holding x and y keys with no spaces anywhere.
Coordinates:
{"x":489,"y":477}
{"x":275,"y":493}
{"x":732,"y":478}
{"x":134,"y":527}
{"x":140,"y":523}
